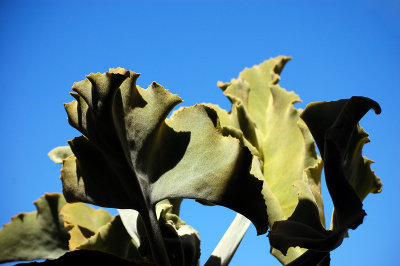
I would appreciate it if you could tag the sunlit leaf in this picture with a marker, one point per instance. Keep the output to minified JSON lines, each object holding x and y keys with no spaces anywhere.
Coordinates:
{"x":113,"y":238}
{"x":97,"y":230}
{"x":264,"y":119}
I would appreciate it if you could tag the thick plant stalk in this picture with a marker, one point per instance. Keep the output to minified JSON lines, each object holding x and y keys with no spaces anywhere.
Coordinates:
{"x":155,"y":238}
{"x":229,"y":243}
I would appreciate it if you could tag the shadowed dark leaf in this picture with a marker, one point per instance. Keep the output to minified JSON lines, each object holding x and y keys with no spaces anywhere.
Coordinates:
{"x":349,"y":178}
{"x":90,"y":257}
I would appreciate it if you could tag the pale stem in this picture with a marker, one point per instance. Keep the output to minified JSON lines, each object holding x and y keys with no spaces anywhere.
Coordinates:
{"x":229,"y":243}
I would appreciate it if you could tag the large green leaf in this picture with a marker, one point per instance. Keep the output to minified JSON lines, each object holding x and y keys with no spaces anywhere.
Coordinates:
{"x":131,"y":156}
{"x":264,"y":119}
{"x":349,"y":178}
{"x":36,"y":235}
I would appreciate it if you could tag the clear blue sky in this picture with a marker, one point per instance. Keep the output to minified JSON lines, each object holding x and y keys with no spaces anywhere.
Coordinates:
{"x":339,"y":49}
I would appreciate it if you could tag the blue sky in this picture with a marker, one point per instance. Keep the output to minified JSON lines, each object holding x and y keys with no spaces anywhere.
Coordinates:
{"x":339,"y":49}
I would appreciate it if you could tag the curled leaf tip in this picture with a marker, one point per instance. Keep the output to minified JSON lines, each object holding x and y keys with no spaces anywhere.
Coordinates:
{"x":58,"y":154}
{"x":349,"y":178}
{"x":366,"y":103}
{"x":282,"y":60}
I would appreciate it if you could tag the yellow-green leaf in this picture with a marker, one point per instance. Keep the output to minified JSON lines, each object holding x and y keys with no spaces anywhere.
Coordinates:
{"x":93,"y":229}
{"x":114,"y":239}
{"x":264,"y":119}
{"x":84,"y":222}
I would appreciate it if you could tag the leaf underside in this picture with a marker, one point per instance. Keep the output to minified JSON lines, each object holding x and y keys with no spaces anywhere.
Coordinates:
{"x":131,"y":156}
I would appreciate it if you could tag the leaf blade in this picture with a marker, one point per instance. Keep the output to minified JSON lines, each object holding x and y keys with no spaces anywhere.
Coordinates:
{"x":135,"y":142}
{"x":263,"y":117}
{"x":36,"y":235}
{"x":340,"y":140}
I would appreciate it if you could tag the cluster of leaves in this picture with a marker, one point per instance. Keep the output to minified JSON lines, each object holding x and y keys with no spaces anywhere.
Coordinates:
{"x":258,"y":159}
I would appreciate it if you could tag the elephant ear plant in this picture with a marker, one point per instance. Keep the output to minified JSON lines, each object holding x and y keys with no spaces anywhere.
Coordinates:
{"x":259,"y":159}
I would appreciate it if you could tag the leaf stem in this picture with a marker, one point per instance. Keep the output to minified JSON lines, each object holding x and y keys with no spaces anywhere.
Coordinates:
{"x":155,"y":238}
